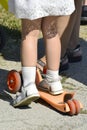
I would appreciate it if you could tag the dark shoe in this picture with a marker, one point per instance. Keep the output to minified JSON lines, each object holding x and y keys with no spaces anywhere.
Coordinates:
{"x":84,"y":13}
{"x":64,"y":64}
{"x":71,"y":56}
{"x":74,"y":55}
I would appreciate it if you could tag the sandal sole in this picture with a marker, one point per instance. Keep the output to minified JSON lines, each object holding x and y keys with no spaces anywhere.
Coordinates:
{"x":26,"y":101}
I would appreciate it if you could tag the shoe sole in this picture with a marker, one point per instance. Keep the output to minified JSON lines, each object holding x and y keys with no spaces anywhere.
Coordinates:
{"x":52,"y":93}
{"x":27,"y":101}
{"x":57,"y":93}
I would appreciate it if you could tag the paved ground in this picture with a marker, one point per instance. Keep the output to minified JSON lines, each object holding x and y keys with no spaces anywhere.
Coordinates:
{"x":39,"y":115}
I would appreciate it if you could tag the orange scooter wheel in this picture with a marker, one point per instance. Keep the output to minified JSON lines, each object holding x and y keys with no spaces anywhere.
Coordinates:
{"x":72,"y":107}
{"x":13,"y":81}
{"x":77,"y":105}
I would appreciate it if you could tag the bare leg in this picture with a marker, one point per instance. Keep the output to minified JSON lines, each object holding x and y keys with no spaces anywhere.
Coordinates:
{"x":53,"y":46}
{"x":29,"y":92}
{"x":53,"y":50}
{"x":30,"y":35}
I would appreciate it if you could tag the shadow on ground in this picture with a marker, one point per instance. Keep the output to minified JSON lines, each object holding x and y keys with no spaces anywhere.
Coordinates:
{"x":12,"y":41}
{"x":78,"y":71}
{"x":4,"y":95}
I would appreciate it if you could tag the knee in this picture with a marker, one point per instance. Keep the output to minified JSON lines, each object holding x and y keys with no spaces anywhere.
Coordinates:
{"x":34,"y":34}
{"x":49,"y":31}
{"x":30,"y":29}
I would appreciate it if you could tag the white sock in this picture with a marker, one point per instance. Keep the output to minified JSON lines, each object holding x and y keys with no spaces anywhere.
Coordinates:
{"x":29,"y":75}
{"x":54,"y":77}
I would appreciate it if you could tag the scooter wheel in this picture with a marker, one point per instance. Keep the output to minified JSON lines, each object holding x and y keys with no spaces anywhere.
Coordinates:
{"x":72,"y":107}
{"x":13,"y":81}
{"x":77,"y":105}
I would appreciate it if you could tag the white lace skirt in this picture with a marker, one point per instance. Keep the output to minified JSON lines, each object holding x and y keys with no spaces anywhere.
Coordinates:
{"x":34,"y":9}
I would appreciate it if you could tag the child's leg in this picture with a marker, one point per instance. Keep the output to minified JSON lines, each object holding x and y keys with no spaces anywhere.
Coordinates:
{"x":53,"y":46}
{"x":30,"y":32}
{"x":53,"y":50}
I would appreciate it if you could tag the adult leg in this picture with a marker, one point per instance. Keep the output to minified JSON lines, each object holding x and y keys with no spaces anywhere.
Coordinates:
{"x":74,"y":52}
{"x":68,"y":28}
{"x":65,"y":26}
{"x":74,"y":39}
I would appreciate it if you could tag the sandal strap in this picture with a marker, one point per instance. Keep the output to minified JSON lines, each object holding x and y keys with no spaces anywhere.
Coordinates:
{"x":44,"y":85}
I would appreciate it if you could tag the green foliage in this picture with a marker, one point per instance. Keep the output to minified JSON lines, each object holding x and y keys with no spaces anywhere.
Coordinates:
{"x":10,"y":24}
{"x":9,"y":20}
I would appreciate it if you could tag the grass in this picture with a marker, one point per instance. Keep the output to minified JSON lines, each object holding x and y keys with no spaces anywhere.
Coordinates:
{"x":9,"y":20}
{"x":11,"y":28}
{"x":10,"y":24}
{"x":83,"y":31}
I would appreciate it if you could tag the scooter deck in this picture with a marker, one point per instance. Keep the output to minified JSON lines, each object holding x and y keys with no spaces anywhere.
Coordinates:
{"x":59,"y":102}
